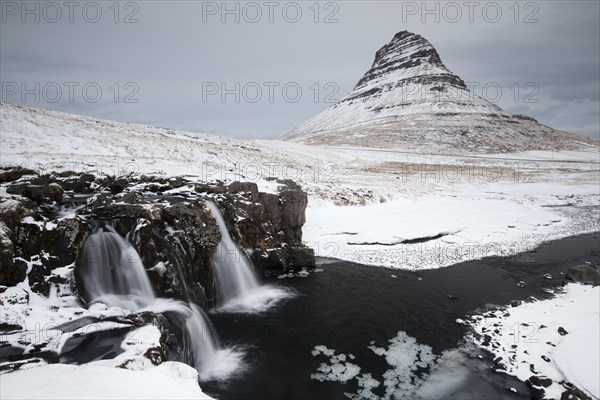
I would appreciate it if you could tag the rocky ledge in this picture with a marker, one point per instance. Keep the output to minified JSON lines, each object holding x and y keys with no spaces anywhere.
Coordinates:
{"x":46,"y":219}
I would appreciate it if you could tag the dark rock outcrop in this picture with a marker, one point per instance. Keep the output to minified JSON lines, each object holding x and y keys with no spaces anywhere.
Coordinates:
{"x":10,"y":274}
{"x":587,"y":274}
{"x":13,"y":210}
{"x":174,"y":234}
{"x":42,"y":193}
{"x":267,"y":225}
{"x":12,"y":174}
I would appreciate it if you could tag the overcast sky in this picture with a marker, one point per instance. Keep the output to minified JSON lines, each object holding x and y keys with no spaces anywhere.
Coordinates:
{"x":191,"y":65}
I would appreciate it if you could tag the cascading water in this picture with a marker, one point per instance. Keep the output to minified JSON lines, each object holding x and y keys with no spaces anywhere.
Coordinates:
{"x":113,"y":274}
{"x":233,"y":270}
{"x":238,"y":289}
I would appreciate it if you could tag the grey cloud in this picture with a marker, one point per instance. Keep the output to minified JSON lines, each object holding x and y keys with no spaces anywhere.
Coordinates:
{"x":171,"y":52}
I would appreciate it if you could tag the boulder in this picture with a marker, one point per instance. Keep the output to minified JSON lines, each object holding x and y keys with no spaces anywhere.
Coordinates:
{"x":14,"y":208}
{"x":301,"y":256}
{"x":52,"y":192}
{"x":13,"y":174}
{"x":37,"y":279}
{"x":76,"y":184}
{"x":539,"y":381}
{"x":40,"y":193}
{"x":175,"y":182}
{"x":583,"y":274}
{"x":133,"y":198}
{"x":249,"y":190}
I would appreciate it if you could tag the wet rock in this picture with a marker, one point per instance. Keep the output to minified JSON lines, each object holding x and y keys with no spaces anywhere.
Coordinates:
{"x":210,"y":188}
{"x":175,"y":238}
{"x":486,"y":340}
{"x":199,"y":232}
{"x":113,"y":211}
{"x":19,"y":189}
{"x":539,"y":381}
{"x":7,"y":327}
{"x":247,"y":189}
{"x":98,"y":200}
{"x":28,"y":239}
{"x":499,"y":367}
{"x":301,"y":257}
{"x":562,"y":331}
{"x":293,"y":213}
{"x":37,"y":279}
{"x":76,"y":184}
{"x":133,"y":198}
{"x":175,"y":182}
{"x":156,"y":355}
{"x":14,"y":208}
{"x":537,"y":393}
{"x":52,"y":192}
{"x":118,"y":185}
{"x":271,"y":204}
{"x":268,"y":225}
{"x":583,"y":274}
{"x":8,"y":274}
{"x":13,"y":174}
{"x":44,"y":193}
{"x":573,"y":393}
{"x":63,"y":242}
{"x":49,"y":244}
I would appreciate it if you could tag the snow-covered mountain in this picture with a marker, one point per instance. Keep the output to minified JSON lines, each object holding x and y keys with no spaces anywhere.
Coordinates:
{"x":409,"y":99}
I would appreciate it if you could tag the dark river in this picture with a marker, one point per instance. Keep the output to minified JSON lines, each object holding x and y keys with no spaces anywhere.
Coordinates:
{"x":346,"y":306}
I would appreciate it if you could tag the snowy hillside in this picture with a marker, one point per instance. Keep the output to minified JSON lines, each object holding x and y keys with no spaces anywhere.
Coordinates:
{"x":409,"y":99}
{"x":365,"y":205}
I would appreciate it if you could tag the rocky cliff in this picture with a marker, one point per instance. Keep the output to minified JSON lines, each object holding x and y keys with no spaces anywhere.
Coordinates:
{"x":46,"y":219}
{"x":409,"y":99}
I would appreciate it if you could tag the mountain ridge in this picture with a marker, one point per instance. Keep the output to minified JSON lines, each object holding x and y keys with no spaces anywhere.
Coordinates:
{"x":409,"y":99}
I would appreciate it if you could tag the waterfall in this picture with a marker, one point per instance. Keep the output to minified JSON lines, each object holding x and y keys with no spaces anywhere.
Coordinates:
{"x":233,"y":270}
{"x":238,"y":289}
{"x":112,"y":273}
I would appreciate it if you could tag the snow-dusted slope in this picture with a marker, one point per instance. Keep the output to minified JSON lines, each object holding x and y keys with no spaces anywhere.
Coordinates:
{"x":364,"y":203}
{"x":410,"y":99}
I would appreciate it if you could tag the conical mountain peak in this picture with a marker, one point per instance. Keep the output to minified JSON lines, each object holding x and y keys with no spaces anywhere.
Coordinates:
{"x":409,"y":99}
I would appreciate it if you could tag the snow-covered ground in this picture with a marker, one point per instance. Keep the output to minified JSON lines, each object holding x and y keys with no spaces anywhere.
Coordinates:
{"x":169,"y":380}
{"x":556,"y":339}
{"x":48,"y":323}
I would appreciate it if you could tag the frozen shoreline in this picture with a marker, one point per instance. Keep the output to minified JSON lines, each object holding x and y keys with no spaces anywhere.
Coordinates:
{"x":548,"y":342}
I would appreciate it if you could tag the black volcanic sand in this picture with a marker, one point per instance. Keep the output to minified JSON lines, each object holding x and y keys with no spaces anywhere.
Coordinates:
{"x":346,"y":306}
